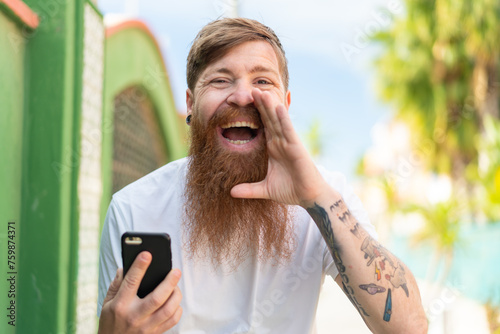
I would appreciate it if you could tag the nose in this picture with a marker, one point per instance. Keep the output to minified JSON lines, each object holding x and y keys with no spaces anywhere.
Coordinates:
{"x":241,"y":96}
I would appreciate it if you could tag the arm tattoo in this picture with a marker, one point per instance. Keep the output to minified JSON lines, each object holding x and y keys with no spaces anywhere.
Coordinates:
{"x":320,"y":216}
{"x":388,"y":307}
{"x":385,"y":265}
{"x":349,"y":292}
{"x":372,"y":288}
{"x":395,"y":272}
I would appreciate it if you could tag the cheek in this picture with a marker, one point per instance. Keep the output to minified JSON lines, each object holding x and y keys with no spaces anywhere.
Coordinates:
{"x":207,"y":104}
{"x":204,"y":113}
{"x":278,"y":96}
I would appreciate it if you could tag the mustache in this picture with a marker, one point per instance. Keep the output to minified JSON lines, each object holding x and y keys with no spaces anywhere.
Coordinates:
{"x":230,"y":113}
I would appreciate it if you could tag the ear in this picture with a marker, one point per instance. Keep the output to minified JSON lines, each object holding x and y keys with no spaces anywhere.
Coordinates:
{"x":287,"y":100}
{"x":189,"y":101}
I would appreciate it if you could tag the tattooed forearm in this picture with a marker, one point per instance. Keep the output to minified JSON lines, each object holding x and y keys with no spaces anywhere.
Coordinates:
{"x":342,"y":212}
{"x":320,"y":216}
{"x":378,"y":255}
{"x":369,"y":273}
{"x":398,"y":278}
{"x":374,"y":250}
{"x":349,"y":292}
{"x":355,"y":231}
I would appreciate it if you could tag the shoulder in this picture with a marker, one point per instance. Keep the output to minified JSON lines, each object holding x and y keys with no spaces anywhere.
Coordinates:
{"x":161,"y":177}
{"x":164,"y":181}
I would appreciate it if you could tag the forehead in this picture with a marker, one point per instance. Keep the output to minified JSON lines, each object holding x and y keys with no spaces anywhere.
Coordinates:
{"x":249,"y":56}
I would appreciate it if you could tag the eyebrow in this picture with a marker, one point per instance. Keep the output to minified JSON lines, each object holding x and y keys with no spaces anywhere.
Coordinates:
{"x":260,"y":68}
{"x":255,"y":69}
{"x":223,"y":70}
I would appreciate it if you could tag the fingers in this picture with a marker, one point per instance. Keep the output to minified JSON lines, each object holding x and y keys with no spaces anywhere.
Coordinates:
{"x":249,"y":190}
{"x":262,"y":104}
{"x":267,"y":108}
{"x":133,"y":278}
{"x":169,"y":314}
{"x":286,"y":126}
{"x":124,"y":312}
{"x":171,"y":322}
{"x":163,"y":304}
{"x":162,"y":292}
{"x":275,"y":117}
{"x":114,"y":286}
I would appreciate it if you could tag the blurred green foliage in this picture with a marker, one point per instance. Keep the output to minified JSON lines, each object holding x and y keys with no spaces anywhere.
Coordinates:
{"x":439,"y":68}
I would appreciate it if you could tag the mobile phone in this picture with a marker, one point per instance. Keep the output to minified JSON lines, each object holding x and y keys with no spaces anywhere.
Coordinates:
{"x":158,"y":244}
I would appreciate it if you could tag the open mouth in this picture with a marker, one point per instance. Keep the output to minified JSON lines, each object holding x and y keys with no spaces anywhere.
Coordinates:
{"x":239,"y":133}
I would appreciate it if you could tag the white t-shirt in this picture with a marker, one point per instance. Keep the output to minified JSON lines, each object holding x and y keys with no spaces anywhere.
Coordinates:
{"x":257,"y":297}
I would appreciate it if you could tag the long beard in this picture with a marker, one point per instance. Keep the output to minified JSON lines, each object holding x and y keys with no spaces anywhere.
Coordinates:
{"x":223,"y":229}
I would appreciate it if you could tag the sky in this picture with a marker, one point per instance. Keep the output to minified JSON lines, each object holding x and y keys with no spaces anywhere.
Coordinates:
{"x":332,"y":78}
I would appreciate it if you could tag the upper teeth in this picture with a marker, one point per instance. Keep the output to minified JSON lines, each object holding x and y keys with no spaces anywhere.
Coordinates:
{"x":237,"y":142}
{"x":240,"y":125}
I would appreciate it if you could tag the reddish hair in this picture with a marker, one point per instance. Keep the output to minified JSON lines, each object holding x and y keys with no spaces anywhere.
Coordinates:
{"x":218,"y":37}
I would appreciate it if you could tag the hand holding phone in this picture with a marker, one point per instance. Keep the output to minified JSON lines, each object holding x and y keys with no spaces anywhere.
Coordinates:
{"x":158,"y":244}
{"x":123,"y":312}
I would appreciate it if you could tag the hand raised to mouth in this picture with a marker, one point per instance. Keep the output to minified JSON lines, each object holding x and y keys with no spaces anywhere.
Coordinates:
{"x":292,"y":177}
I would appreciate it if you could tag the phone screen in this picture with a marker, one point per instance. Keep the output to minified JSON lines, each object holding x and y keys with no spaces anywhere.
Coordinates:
{"x":158,"y":244}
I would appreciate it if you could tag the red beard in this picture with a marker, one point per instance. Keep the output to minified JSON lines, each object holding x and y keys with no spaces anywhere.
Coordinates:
{"x":221,"y":228}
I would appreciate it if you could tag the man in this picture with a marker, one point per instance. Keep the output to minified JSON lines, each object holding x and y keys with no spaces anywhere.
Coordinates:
{"x":255,"y":225}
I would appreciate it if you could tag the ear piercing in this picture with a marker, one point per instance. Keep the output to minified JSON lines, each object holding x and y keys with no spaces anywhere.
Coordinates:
{"x":188,"y":119}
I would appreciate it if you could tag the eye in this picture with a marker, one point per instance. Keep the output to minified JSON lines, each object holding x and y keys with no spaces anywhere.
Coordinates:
{"x":263,"y":82}
{"x":219,"y":82}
